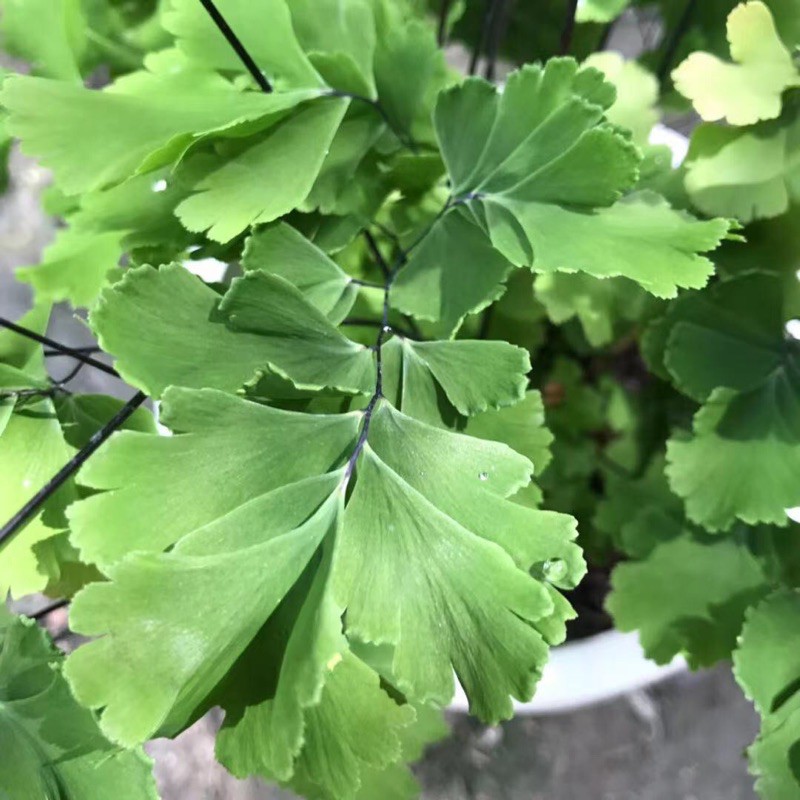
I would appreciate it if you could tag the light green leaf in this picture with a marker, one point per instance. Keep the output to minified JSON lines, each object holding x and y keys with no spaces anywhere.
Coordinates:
{"x":76,"y":266}
{"x":600,"y":305}
{"x":237,"y":451}
{"x":640,"y":238}
{"x":521,"y":427}
{"x":748,"y":174}
{"x":718,"y":580}
{"x":600,"y":10}
{"x":298,"y":341}
{"x":750,"y":89}
{"x":397,"y":781}
{"x":422,"y":378}
{"x":281,"y":250}
{"x":412,"y":477}
{"x":49,"y":745}
{"x":543,"y":173}
{"x":410,"y":70}
{"x":269,"y":179}
{"x":158,"y":682}
{"x":91,"y":139}
{"x":637,"y":93}
{"x":343,"y":30}
{"x":464,"y":552}
{"x":264,"y":28}
{"x":49,"y":34}
{"x":32,"y":450}
{"x":165,"y":327}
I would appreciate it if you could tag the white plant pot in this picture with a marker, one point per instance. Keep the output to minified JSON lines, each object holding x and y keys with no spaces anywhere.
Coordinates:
{"x":587,"y":672}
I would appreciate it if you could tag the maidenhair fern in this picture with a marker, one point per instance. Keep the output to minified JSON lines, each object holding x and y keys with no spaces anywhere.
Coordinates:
{"x":352,"y":500}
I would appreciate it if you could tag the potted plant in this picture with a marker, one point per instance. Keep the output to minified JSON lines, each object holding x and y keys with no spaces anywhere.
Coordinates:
{"x":468,"y":340}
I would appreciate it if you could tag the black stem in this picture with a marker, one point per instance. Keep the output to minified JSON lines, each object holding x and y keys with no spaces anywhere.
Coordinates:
{"x":496,"y":36}
{"x":49,"y":609}
{"x":67,"y":351}
{"x":568,"y":30}
{"x":73,"y":373}
{"x":236,"y":44}
{"x":31,"y":508}
{"x":444,"y":11}
{"x":486,"y":24}
{"x":675,"y":39}
{"x":377,"y":255}
{"x":85,"y":350}
{"x":605,"y":37}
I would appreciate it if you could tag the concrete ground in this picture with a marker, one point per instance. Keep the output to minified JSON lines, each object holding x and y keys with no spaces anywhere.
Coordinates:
{"x":682,"y":740}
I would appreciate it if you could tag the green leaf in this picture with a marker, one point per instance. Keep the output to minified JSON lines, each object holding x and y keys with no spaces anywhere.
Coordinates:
{"x":397,"y":782}
{"x":766,"y":663}
{"x":750,"y":89}
{"x":281,"y":250}
{"x":412,"y":477}
{"x":54,"y":43}
{"x":165,"y":327}
{"x":49,"y":745}
{"x":775,"y":754}
{"x":91,"y":139}
{"x":638,"y":514}
{"x":725,"y":475}
{"x":158,"y":684}
{"x":423,"y":378}
{"x":32,"y":450}
{"x":454,"y":271}
{"x":767,"y":668}
{"x":521,"y":427}
{"x":600,"y":10}
{"x":640,"y":238}
{"x":427,"y":520}
{"x":542,"y":173}
{"x":637,"y":93}
{"x":718,"y":580}
{"x":410,"y":70}
{"x":747,"y":174}
{"x":338,"y":31}
{"x":743,"y":455}
{"x":303,"y":737}
{"x":76,"y":266}
{"x":264,"y":28}
{"x":600,"y":305}
{"x":729,"y":335}
{"x":269,"y":179}
{"x":82,"y":415}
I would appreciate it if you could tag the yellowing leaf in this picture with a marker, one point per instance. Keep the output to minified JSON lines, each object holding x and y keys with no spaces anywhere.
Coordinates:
{"x":750,"y":89}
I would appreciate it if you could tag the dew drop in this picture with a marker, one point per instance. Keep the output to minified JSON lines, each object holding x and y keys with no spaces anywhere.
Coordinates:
{"x":555,"y":569}
{"x":160,"y":186}
{"x":484,"y":476}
